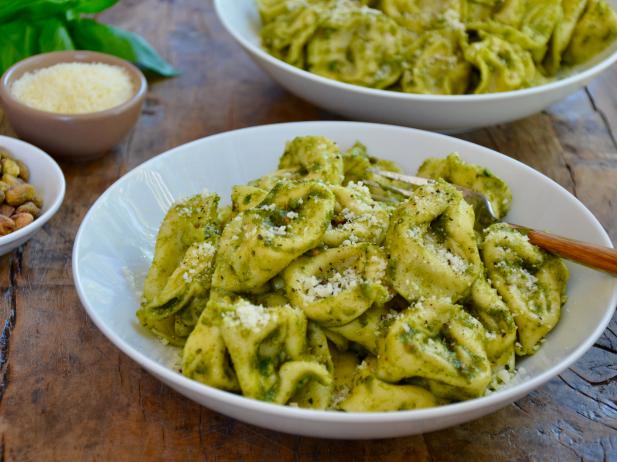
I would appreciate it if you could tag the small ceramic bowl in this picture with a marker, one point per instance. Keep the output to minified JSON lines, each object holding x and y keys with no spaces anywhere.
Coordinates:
{"x":73,"y":136}
{"x":46,"y":177}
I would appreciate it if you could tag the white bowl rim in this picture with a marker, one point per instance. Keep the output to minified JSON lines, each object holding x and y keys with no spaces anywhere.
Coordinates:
{"x":546,"y":87}
{"x":55,"y":205}
{"x":169,"y":376}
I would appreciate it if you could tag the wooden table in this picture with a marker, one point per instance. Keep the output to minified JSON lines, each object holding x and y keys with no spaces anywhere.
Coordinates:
{"x":68,"y":394}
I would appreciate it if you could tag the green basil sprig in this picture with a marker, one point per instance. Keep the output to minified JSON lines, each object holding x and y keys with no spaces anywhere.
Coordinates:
{"x":29,"y":27}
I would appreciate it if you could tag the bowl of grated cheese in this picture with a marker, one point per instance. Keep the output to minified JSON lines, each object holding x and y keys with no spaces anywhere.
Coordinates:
{"x":73,"y":104}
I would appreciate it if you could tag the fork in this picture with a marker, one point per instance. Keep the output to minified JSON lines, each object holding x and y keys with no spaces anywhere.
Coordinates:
{"x":591,"y":255}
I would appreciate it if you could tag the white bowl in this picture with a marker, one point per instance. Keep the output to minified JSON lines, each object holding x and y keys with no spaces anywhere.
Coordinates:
{"x":431,"y":112}
{"x":114,"y":246}
{"x":46,"y":176}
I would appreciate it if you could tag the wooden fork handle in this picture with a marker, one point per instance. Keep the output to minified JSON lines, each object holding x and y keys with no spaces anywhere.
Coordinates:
{"x":593,"y":256}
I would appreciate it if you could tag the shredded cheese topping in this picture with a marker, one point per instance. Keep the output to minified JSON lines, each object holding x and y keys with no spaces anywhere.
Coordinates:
{"x":74,"y":88}
{"x":194,"y":260}
{"x":249,"y":316}
{"x":337,"y":283}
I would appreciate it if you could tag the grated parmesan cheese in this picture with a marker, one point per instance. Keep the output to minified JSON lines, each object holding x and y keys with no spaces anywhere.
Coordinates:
{"x":353,"y":239}
{"x":414,"y":233}
{"x":248,"y":315}
{"x":455,"y":262}
{"x":348,"y":214}
{"x":74,"y":88}
{"x":269,"y":232}
{"x":336,"y":284}
{"x":339,"y":396}
{"x":391,"y":316}
{"x":195,"y":259}
{"x":359,"y":187}
{"x":452,"y":19}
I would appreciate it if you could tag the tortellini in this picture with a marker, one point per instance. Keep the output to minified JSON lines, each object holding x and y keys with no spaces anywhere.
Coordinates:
{"x":271,"y":355}
{"x":441,"y":46}
{"x":205,"y":357}
{"x":338,"y":285}
{"x":534,"y":22}
{"x":245,"y":197}
{"x":420,"y":15}
{"x":316,"y":157}
{"x":357,"y":217}
{"x":288,"y":33}
{"x":437,"y":64}
{"x":531,"y":282}
{"x":503,"y":66}
{"x":271,"y":9}
{"x":479,"y":10}
{"x":368,"y":393}
{"x":357,"y":167}
{"x":595,"y":30}
{"x":362,"y":330}
{"x":572,"y":11}
{"x":432,"y":245}
{"x":320,"y":286}
{"x":438,"y":341}
{"x":487,"y":306}
{"x":454,"y":170}
{"x":356,"y":46}
{"x":268,"y":349}
{"x":257,"y":244}
{"x":177,"y":285}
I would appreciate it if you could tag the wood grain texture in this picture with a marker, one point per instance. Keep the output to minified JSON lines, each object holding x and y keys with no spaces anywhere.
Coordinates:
{"x":67,"y":394}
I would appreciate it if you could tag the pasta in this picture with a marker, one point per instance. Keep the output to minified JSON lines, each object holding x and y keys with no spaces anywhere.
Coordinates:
{"x":453,"y":170}
{"x":322,"y":287}
{"x":447,"y":47}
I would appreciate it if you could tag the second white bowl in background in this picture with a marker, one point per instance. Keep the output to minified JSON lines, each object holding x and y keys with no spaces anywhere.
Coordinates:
{"x":449,"y":114}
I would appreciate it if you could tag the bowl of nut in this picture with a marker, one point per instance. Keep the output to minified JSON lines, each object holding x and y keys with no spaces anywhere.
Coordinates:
{"x":31,"y":191}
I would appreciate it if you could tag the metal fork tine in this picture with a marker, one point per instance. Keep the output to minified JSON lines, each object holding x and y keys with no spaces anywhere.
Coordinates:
{"x":417,"y":181}
{"x":483,"y":208}
{"x":403,"y":192}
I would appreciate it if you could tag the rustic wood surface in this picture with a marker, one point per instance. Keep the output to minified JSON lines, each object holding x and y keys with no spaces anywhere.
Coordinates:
{"x":68,"y":394}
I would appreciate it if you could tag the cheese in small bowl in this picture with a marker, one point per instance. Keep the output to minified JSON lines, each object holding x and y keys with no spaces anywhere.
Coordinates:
{"x":74,"y":88}
{"x":73,"y":104}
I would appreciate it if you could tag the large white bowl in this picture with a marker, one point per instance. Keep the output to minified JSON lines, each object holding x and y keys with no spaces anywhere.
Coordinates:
{"x":46,"y":176}
{"x":114,"y":246}
{"x":431,"y":112}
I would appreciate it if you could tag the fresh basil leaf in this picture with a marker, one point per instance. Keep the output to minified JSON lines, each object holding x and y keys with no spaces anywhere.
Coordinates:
{"x":53,"y":36}
{"x":94,"y":6}
{"x":42,"y":9}
{"x":88,"y":34}
{"x":32,"y":9}
{"x":18,"y":42}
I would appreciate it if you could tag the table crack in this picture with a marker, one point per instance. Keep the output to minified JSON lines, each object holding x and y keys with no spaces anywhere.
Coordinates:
{"x":603,"y":116}
{"x":15,"y":263}
{"x":594,"y":383}
{"x":593,"y":398}
{"x":428,"y":450}
{"x":572,"y":176}
{"x":605,"y":348}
